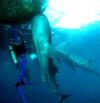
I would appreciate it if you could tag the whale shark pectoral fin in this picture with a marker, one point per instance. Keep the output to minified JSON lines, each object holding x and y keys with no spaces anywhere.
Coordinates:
{"x":63,"y":97}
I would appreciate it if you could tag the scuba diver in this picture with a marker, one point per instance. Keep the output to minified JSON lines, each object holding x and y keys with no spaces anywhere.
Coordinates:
{"x":23,"y":11}
{"x":18,"y":52}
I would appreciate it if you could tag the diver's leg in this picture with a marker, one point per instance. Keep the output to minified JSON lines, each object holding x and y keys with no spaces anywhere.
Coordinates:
{"x":24,"y":78}
{"x":20,"y":82}
{"x":23,"y":65}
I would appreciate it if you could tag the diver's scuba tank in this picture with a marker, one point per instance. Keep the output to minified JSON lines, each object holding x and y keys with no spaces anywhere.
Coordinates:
{"x":16,"y":50}
{"x":13,"y":55}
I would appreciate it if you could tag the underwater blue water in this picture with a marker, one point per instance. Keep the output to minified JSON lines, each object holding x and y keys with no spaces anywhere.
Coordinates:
{"x":83,"y":87}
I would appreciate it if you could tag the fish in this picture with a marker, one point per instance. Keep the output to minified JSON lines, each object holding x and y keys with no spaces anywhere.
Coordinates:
{"x":41,"y":35}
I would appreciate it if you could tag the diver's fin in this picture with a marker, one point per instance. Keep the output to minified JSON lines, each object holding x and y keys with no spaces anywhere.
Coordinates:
{"x":63,"y":97}
{"x":19,"y":83}
{"x":23,"y":83}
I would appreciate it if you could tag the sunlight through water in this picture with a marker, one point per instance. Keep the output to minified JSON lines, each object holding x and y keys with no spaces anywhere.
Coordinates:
{"x":72,"y":13}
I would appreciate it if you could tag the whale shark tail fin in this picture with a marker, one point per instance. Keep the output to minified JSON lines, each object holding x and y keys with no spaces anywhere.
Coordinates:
{"x":63,"y":97}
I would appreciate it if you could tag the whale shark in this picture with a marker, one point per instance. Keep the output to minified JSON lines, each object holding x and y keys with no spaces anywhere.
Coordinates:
{"x":49,"y":57}
{"x":43,"y":40}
